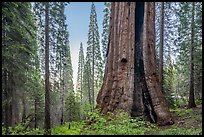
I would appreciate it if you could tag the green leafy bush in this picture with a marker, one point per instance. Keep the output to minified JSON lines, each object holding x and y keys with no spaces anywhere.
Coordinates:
{"x":179,"y":103}
{"x":181,"y":112}
{"x":3,"y":130}
{"x":20,"y":129}
{"x":189,"y":111}
{"x":198,"y":101}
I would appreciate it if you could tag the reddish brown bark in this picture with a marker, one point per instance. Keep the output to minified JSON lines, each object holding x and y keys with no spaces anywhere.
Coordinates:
{"x":117,"y":89}
{"x":126,"y":87}
{"x":158,"y":101}
{"x":161,"y":77}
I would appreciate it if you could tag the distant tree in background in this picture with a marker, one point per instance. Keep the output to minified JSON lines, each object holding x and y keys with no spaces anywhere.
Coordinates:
{"x":93,"y":57}
{"x":19,"y":62}
{"x":105,"y":34}
{"x":61,"y":73}
{"x":188,"y":42}
{"x":79,"y":86}
{"x":191,"y":102}
{"x":141,"y":44}
{"x":169,"y":49}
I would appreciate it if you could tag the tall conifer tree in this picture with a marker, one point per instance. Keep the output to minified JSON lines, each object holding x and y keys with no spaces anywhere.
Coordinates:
{"x":94,"y":55}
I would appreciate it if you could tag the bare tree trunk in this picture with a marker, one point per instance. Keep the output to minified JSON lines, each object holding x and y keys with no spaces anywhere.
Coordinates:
{"x":15,"y":110}
{"x":93,"y":63}
{"x":7,"y":102}
{"x":89,"y":92}
{"x":63,"y":95}
{"x":158,"y":101}
{"x":10,"y":99}
{"x":81,"y":93}
{"x":161,"y":47}
{"x":118,"y":86}
{"x":126,"y":84}
{"x":36,"y":102}
{"x":12,"y":105}
{"x":47,"y":83}
{"x":24,"y":108}
{"x":61,"y":87}
{"x":62,"y":109}
{"x":81,"y":96}
{"x":14,"y":102}
{"x":191,"y":102}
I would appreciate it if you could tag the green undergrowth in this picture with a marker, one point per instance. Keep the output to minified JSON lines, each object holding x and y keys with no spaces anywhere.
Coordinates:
{"x":120,"y":124}
{"x":69,"y":128}
{"x":177,"y":131}
{"x":181,"y":112}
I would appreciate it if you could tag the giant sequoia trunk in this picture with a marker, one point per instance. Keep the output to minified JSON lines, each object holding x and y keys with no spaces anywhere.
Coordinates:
{"x":130,"y":83}
{"x":118,"y":85}
{"x":158,"y":100}
{"x":161,"y":77}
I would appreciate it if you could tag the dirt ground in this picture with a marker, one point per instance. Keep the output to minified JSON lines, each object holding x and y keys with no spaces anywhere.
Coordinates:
{"x":193,"y":119}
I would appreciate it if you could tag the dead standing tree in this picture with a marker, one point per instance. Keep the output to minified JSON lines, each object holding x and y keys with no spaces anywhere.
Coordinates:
{"x":130,"y":81}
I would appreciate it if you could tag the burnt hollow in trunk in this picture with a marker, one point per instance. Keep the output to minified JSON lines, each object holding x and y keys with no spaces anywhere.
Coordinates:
{"x":128,"y":85}
{"x":141,"y":99}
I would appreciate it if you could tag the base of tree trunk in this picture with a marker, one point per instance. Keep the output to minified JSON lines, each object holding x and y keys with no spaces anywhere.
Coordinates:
{"x":130,"y":82}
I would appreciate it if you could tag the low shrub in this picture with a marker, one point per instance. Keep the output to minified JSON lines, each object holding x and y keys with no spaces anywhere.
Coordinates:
{"x":198,"y":101}
{"x":116,"y":124}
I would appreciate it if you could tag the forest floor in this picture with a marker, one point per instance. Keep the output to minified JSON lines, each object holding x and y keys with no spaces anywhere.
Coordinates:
{"x":187,"y":122}
{"x":185,"y":119}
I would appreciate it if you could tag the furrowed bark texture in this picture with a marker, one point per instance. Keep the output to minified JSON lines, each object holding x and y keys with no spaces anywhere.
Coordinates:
{"x":161,"y":51}
{"x":130,"y":82}
{"x":117,"y":89}
{"x":157,"y":98}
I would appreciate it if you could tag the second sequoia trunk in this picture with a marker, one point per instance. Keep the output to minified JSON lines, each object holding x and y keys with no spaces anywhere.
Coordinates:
{"x":126,"y":84}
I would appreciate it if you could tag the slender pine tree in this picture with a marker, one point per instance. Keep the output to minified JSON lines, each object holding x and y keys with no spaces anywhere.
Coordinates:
{"x":94,"y":56}
{"x":105,"y":34}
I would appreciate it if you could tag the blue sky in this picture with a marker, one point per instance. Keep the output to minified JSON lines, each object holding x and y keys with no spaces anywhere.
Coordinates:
{"x":77,"y":16}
